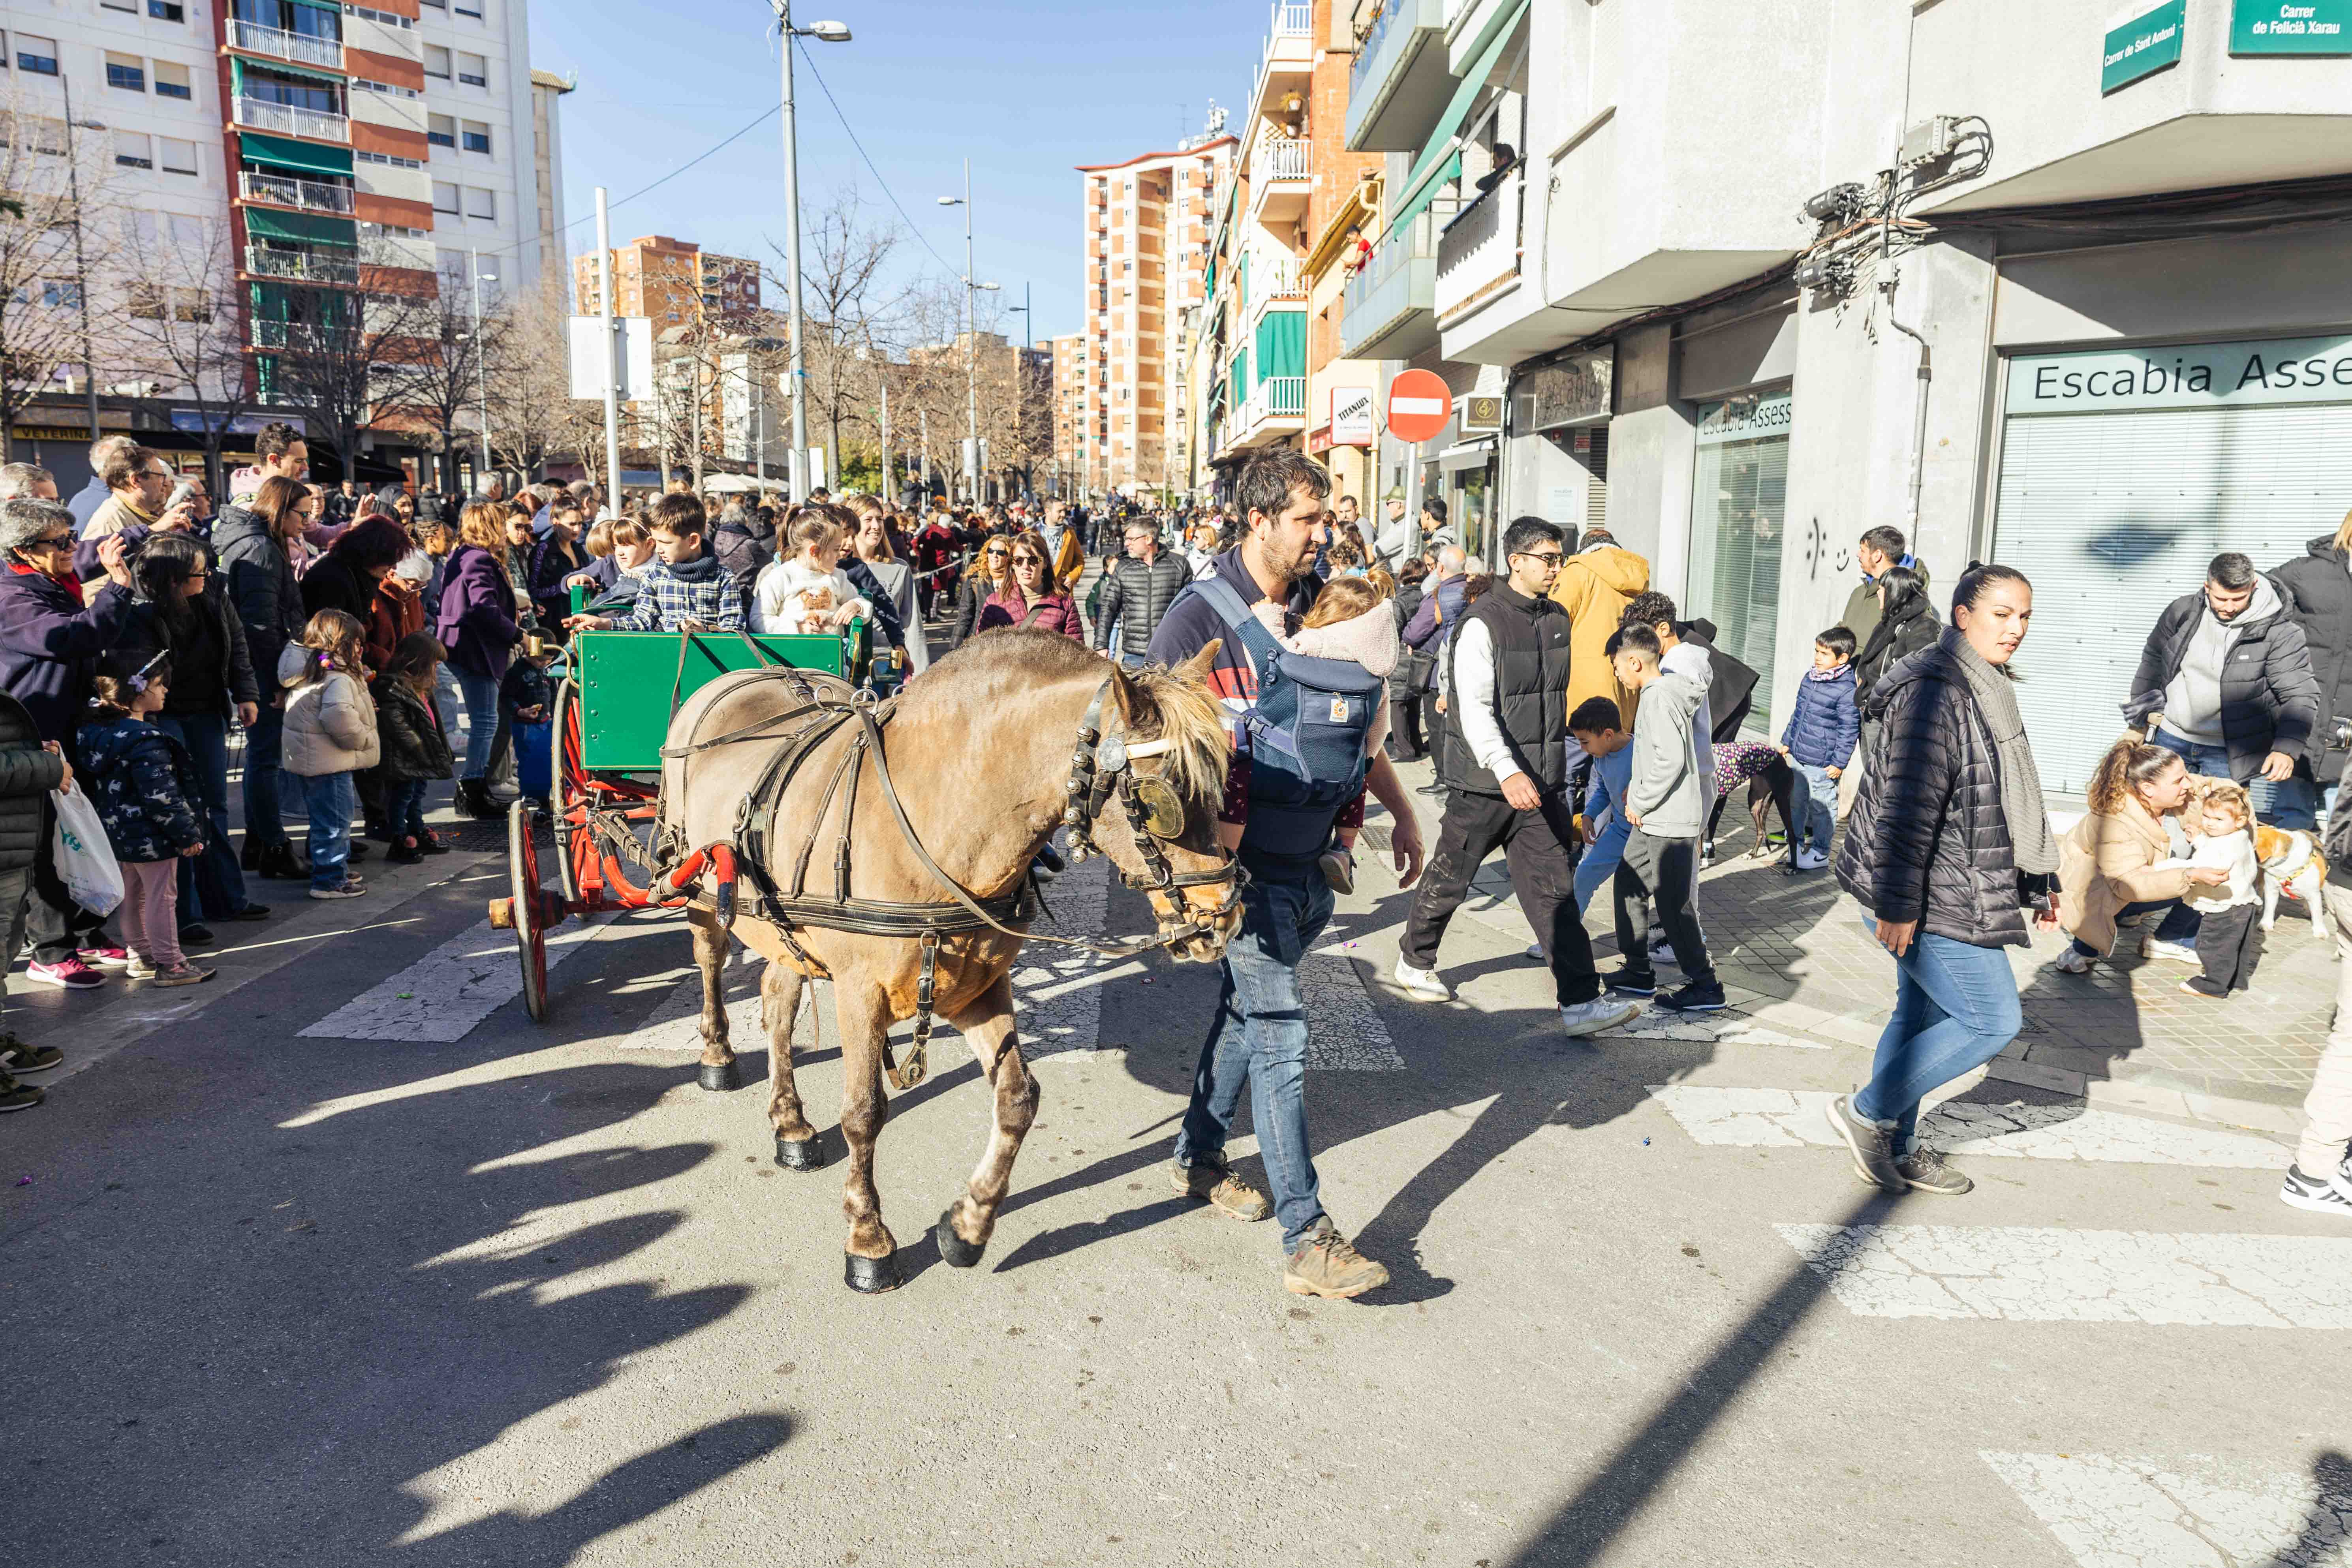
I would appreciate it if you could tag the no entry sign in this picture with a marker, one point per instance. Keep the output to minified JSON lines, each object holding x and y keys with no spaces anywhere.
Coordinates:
{"x":1419,"y":405}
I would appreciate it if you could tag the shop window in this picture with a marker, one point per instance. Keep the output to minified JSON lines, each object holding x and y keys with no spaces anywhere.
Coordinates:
{"x":1738,"y":524}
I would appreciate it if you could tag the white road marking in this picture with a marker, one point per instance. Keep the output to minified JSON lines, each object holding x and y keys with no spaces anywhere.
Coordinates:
{"x":1344,"y":1031}
{"x":2113,"y":1512}
{"x":441,"y":997}
{"x":1058,"y":991}
{"x":676,"y":1024}
{"x":1789,"y":1118}
{"x":1723,"y":1029}
{"x":2048,"y":1275}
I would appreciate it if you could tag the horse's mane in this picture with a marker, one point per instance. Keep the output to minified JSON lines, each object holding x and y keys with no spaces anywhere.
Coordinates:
{"x":1011,"y":657}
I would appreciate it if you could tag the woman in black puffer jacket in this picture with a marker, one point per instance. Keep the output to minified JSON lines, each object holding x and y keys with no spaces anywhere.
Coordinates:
{"x":1947,"y":836}
{"x":1406,"y":742}
{"x":2318,"y":587}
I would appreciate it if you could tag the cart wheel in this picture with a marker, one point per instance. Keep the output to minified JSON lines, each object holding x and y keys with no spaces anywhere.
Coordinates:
{"x":530,"y":909}
{"x":571,"y":836}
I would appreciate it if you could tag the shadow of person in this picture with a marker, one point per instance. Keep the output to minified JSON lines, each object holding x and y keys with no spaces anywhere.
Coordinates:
{"x":2326,"y":1534}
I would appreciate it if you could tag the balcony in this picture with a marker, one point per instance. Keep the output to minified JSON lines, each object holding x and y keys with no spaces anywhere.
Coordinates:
{"x":1280,"y":174}
{"x":1399,"y":83}
{"x":1275,"y":278}
{"x":1289,"y":54}
{"x":298,"y":336}
{"x":1387,"y":308}
{"x":286,"y":191}
{"x":298,"y":48}
{"x":1479,"y":252}
{"x":303,"y":266}
{"x":286,"y":120}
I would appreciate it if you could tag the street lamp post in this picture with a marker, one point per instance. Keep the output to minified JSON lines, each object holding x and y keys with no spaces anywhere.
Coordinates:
{"x":972,"y":289}
{"x":81,"y":270}
{"x":830,"y":33}
{"x":481,"y":346}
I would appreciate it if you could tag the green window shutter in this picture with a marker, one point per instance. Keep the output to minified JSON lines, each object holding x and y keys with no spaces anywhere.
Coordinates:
{"x":1244,"y":276}
{"x":1281,"y":343}
{"x":277,"y":152}
{"x":1420,"y":200}
{"x":309,"y":228}
{"x":1427,"y":168}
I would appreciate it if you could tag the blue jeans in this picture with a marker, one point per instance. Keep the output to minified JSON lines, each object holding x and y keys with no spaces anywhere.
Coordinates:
{"x":1816,"y":807}
{"x":1955,"y":1007}
{"x":212,"y":887}
{"x":403,"y":809}
{"x":2296,"y":804}
{"x":265,"y":825}
{"x":2180,"y":922}
{"x":1598,"y":864}
{"x":481,"y":694}
{"x":1259,"y":1040}
{"x":331,"y":799}
{"x":2288,"y":805}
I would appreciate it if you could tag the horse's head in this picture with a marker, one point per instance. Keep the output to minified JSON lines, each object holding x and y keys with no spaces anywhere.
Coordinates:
{"x":1161,"y":772}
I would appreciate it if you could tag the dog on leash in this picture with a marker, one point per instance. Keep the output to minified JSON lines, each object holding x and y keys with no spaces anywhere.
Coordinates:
{"x":2290,"y":857}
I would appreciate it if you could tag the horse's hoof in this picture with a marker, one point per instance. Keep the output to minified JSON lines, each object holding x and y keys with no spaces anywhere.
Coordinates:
{"x":808,"y":1154}
{"x":870,"y":1275}
{"x":954,"y":1249}
{"x":720,"y":1075}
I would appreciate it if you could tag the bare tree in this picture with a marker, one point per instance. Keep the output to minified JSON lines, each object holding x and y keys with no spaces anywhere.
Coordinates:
{"x":361,"y":343}
{"x":851,"y":309}
{"x":446,"y":380}
{"x":52,"y":245}
{"x":533,"y":415}
{"x":181,"y":324}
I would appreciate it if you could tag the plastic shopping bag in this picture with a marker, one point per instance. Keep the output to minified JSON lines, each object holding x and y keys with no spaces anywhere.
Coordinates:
{"x":85,"y":860}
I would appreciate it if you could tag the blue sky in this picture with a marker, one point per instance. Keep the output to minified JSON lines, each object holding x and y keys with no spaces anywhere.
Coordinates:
{"x":1027,"y":89}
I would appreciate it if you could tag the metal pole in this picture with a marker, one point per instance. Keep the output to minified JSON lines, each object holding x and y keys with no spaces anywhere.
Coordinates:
{"x":927,"y":456}
{"x":759,"y":424}
{"x":81,"y":274}
{"x":481,"y":371}
{"x":797,"y":466}
{"x":889,"y":486}
{"x":612,"y":357}
{"x":972,"y":345}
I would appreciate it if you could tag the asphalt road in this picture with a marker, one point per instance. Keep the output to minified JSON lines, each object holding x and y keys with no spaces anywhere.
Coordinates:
{"x":524,"y":1294}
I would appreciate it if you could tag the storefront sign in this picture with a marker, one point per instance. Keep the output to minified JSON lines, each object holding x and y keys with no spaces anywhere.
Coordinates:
{"x":1744,"y":419}
{"x":2189,"y":375}
{"x":2290,"y":27}
{"x":1574,"y":392}
{"x":2142,"y":45}
{"x":190,"y":421}
{"x":1352,"y":416}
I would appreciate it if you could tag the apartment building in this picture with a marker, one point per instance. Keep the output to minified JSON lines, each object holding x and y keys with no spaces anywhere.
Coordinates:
{"x":1145,"y":224}
{"x":1067,"y":402}
{"x":1267,"y":379}
{"x":2047,"y":286}
{"x":672,"y":282}
{"x":324,"y":153}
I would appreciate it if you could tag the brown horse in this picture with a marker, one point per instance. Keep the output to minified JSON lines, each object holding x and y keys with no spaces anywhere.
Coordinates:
{"x":980,"y":752}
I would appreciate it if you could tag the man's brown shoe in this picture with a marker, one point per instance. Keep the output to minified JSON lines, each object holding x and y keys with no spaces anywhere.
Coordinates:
{"x":1216,"y":1183}
{"x":1326,"y":1265}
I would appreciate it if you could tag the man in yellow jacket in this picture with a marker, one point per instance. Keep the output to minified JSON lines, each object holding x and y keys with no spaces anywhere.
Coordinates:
{"x":1594,"y":586}
{"x":1069,"y":551}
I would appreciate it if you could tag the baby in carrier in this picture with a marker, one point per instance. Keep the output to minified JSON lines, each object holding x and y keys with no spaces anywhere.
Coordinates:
{"x":1351,"y":621}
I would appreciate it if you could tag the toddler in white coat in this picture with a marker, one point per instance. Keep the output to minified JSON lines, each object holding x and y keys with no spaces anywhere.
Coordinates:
{"x":807,"y":591}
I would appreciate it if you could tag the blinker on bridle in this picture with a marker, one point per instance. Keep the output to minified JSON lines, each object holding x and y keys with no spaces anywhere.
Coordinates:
{"x":1155,"y":812}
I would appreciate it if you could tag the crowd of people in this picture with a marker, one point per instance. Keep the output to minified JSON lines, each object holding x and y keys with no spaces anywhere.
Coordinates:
{"x":1578,"y":724}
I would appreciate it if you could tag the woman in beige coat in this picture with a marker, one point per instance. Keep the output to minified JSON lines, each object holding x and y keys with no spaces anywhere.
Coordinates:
{"x":2109,"y":873}
{"x":329,"y":736}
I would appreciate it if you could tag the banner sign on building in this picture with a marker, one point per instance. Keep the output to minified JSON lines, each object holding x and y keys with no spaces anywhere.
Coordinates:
{"x":2290,"y":27}
{"x":1749,"y":419}
{"x":2183,"y":375}
{"x":2142,"y":46}
{"x":1352,"y":417}
{"x":1573,"y":392}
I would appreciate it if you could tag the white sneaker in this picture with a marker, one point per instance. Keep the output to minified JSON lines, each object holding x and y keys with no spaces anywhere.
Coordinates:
{"x":2341,"y":1181}
{"x":1422,"y":985}
{"x":2303,"y":1192}
{"x":2071,"y":962}
{"x":1602,"y":1012}
{"x":1810,"y":859}
{"x":2178,"y":952}
{"x":1535,"y":950}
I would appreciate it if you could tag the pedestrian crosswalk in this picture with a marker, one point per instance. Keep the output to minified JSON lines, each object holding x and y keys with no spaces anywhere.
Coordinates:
{"x":442,"y":995}
{"x":2055,"y":1274}
{"x":1783,"y":1118}
{"x":2109,"y":1512}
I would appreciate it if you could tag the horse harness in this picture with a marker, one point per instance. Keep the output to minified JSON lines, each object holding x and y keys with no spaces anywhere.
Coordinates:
{"x":1100,"y":763}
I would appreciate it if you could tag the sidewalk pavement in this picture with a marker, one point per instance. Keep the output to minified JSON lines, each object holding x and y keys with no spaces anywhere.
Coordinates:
{"x":1795,"y":958}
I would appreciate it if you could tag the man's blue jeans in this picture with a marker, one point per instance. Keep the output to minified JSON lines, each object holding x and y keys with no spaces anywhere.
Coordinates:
{"x":1259,"y":1040}
{"x":1955,"y":1007}
{"x":211,"y":885}
{"x":481,"y":694}
{"x":1816,"y":808}
{"x":332,"y":798}
{"x":265,"y":825}
{"x":2290,"y":804}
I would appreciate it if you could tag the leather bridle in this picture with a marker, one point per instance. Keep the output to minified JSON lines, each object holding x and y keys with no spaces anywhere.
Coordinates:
{"x":1100,"y":763}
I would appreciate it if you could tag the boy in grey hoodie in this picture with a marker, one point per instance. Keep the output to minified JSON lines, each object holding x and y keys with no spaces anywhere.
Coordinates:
{"x":1666,"y":807}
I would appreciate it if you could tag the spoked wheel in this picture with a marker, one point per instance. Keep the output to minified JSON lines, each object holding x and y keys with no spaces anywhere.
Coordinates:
{"x":572,"y":839}
{"x":530,"y":909}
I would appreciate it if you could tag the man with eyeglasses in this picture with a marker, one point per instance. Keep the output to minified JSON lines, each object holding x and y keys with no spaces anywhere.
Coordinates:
{"x":1506,"y":701}
{"x":137,"y":483}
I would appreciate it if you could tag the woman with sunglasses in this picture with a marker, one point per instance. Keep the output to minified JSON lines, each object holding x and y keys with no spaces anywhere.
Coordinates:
{"x":992,"y":570}
{"x":1033,"y":598}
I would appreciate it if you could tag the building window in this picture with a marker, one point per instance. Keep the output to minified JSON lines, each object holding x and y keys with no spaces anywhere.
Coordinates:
{"x":126,"y":72}
{"x":385,"y":18}
{"x":441,"y":130}
{"x":445,"y":197}
{"x":131,"y":149}
{"x":478,"y":136}
{"x":172,"y":81}
{"x":130,"y":6}
{"x":176,"y":156}
{"x":436,"y":61}
{"x":167,"y":10}
{"x":473,"y":69}
{"x":469,"y":8}
{"x":38,"y":56}
{"x":61,"y":293}
{"x":480,"y":203}
{"x":385,"y":88}
{"x":388,"y":160}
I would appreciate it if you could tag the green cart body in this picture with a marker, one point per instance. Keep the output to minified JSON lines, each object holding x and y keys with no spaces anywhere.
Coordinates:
{"x":625,"y":681}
